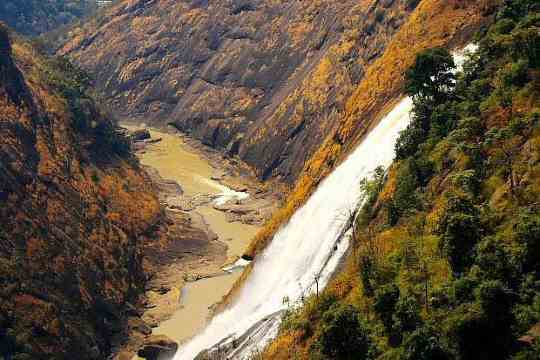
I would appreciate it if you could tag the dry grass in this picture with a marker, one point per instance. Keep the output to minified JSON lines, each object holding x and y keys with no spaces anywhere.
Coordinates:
{"x":434,"y":23}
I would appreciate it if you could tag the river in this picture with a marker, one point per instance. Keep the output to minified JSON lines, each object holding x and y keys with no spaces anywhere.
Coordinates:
{"x":176,"y":160}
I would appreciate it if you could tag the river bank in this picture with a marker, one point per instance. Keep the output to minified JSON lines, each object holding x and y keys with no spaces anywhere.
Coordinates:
{"x":214,"y":206}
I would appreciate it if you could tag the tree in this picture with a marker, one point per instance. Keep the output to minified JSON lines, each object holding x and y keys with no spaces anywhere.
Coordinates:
{"x":460,"y":231}
{"x":431,"y":77}
{"x":406,"y":317}
{"x":386,"y":299}
{"x":344,"y":335}
{"x":528,"y":235}
{"x":424,"y":344}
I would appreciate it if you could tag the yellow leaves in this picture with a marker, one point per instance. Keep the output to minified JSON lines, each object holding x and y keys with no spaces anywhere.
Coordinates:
{"x":382,"y":83}
{"x":390,"y":185}
{"x":299,"y":31}
{"x":319,"y":82}
{"x":194,"y":17}
{"x":54,"y":327}
{"x":280,"y":349}
{"x":141,"y":22}
{"x":114,"y":217}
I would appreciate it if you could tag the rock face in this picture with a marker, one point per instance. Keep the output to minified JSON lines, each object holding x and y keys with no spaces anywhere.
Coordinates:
{"x":265,"y":80}
{"x":158,"y":347}
{"x":75,"y":212}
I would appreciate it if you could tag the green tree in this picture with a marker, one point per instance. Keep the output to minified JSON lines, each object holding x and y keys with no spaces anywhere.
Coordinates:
{"x":460,"y":231}
{"x":431,"y":76}
{"x":424,"y":344}
{"x":406,"y":318}
{"x":344,"y":335}
{"x":386,"y":298}
{"x":528,"y":235}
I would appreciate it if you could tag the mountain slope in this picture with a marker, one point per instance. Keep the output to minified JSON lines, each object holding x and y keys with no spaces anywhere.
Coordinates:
{"x":445,"y":261}
{"x":450,"y":24}
{"x":264,"y":80}
{"x":76,"y":210}
{"x":34,"y":17}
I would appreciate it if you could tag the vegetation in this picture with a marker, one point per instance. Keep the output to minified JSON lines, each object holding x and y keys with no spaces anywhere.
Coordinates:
{"x":75,"y":215}
{"x":74,"y":86}
{"x":381,"y":81}
{"x":447,"y":261}
{"x":33,"y":17}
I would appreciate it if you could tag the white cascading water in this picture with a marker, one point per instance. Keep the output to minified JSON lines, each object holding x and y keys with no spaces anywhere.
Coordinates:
{"x":310,"y":245}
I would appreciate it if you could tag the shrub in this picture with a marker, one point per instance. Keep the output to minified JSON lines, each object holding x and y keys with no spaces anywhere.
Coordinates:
{"x":424,"y":344}
{"x":528,"y":236}
{"x":386,"y":299}
{"x":406,"y":317}
{"x":344,"y":335}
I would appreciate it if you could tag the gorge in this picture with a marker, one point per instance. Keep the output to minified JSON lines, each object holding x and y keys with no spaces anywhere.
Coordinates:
{"x":256,"y":179}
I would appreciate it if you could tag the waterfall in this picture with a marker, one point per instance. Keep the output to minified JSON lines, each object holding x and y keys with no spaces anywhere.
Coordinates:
{"x":310,"y":245}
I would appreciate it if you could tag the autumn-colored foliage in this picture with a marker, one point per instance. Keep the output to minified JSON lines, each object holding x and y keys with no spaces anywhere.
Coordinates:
{"x":433,"y":23}
{"x":76,"y":210}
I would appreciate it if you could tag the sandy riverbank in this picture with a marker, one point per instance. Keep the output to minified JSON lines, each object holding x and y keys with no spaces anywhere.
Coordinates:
{"x":230,"y":222}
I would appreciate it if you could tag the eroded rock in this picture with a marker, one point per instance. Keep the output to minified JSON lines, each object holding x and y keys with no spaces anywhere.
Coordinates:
{"x":140,"y":134}
{"x":158,"y":347}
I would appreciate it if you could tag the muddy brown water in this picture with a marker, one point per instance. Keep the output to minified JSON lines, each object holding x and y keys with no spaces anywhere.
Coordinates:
{"x":176,"y":160}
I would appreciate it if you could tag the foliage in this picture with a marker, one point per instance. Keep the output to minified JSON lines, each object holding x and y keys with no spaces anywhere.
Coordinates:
{"x":424,"y":344}
{"x":431,"y":76}
{"x":370,"y":192}
{"x":385,"y":301}
{"x":406,"y":317}
{"x":460,"y":230}
{"x":33,"y":17}
{"x":73,"y":84}
{"x":344,"y":334}
{"x":451,"y":269}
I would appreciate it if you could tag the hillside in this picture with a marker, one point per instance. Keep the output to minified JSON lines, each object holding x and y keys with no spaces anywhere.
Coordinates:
{"x":445,"y":248}
{"x":445,"y":260}
{"x":76,"y":210}
{"x":265,"y":80}
{"x":35,"y":17}
{"x":450,"y":24}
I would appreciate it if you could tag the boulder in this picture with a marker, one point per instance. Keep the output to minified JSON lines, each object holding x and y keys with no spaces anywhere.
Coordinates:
{"x":170,"y":187}
{"x":158,"y":347}
{"x":140,"y":135}
{"x":138,"y":325}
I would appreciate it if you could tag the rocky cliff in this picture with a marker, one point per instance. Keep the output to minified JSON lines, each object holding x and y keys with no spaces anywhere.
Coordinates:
{"x":76,"y":210}
{"x":266,"y":80}
{"x":290,"y":87}
{"x":444,"y":259}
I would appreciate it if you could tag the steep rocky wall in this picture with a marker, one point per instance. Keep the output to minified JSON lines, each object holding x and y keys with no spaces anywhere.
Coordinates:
{"x":75,"y":211}
{"x":433,"y":23}
{"x":266,"y":80}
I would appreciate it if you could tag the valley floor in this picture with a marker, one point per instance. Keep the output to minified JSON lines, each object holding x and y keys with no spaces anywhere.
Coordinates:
{"x":213,"y":204}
